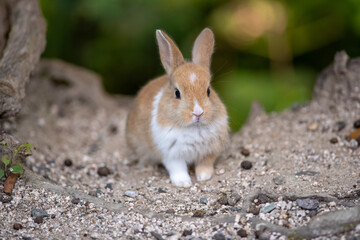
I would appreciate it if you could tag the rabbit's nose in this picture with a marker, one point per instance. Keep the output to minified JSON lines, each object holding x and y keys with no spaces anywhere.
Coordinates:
{"x":198,"y":114}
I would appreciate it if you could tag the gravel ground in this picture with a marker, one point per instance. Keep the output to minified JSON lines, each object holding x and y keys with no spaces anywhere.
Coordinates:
{"x":286,"y":169}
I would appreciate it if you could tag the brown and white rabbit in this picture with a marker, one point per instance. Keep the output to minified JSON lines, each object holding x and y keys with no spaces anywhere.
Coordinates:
{"x":178,"y":119}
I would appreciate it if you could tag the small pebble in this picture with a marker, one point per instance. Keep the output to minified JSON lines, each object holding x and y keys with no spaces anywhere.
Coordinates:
{"x":219,"y":236}
{"x":199,"y":214}
{"x":220,"y":171}
{"x":254,"y":210}
{"x":353,"y":144}
{"x":95,"y":235}
{"x":103,"y":171}
{"x":160,"y":190}
{"x":233,"y":199}
{"x":307,"y":203}
{"x":223,"y":200}
{"x":313,"y":126}
{"x":109,"y":186}
{"x":35,"y":212}
{"x":245,"y":152}
{"x":357,"y":124}
{"x":268,"y":208}
{"x":75,"y":200}
{"x":242,"y":233}
{"x":156,"y":236}
{"x":203,"y":200}
{"x":38,"y":220}
{"x":246,"y":165}
{"x":340,"y":125}
{"x":187,"y":232}
{"x":279,"y":180}
{"x":307,"y":173}
{"x":4,"y":198}
{"x":93,"y":193}
{"x":131,"y":194}
{"x":17,"y":226}
{"x":170,"y":211}
{"x":68,"y":162}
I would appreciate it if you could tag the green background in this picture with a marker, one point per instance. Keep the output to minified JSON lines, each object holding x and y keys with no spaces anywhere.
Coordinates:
{"x":270,"y":51}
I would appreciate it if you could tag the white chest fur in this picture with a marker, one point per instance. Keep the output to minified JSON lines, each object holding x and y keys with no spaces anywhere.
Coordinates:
{"x":189,"y":144}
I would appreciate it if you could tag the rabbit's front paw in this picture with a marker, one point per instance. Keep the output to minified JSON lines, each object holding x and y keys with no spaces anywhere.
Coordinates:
{"x":181,"y":180}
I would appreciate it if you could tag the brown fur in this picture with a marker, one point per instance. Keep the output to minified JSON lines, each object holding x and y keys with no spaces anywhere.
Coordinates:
{"x":177,"y":113}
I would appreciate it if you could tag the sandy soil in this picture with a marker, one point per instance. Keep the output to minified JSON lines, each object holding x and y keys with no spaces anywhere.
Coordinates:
{"x":77,"y":130}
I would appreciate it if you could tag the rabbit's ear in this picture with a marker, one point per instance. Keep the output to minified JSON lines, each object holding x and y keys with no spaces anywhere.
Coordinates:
{"x":203,"y":48}
{"x":170,"y":54}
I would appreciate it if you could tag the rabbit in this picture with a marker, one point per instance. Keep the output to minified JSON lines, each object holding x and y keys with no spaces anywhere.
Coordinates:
{"x":178,"y":119}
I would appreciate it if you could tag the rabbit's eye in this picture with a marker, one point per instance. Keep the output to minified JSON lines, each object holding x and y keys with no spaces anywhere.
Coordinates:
{"x":208,"y":92}
{"x":177,"y":93}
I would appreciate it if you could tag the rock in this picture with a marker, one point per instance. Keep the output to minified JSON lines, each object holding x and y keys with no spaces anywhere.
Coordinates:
{"x":198,"y":213}
{"x":219,"y":236}
{"x":76,"y":200}
{"x":68,"y":162}
{"x":263,"y":198}
{"x":268,"y":208}
{"x":187,"y":232}
{"x":353,"y":144}
{"x":156,"y":236}
{"x":27,"y":237}
{"x":307,"y":203}
{"x":95,"y":235}
{"x":160,"y":190}
{"x":93,"y":193}
{"x":233,"y":199}
{"x":223,"y":200}
{"x":17,"y":226}
{"x":340,"y":125}
{"x":203,"y":200}
{"x":262,"y":235}
{"x":347,"y":203}
{"x":254,"y":210}
{"x":26,"y":38}
{"x":4,"y":198}
{"x":131,"y":194}
{"x":170,"y":211}
{"x":245,"y":152}
{"x":220,"y":171}
{"x":279,"y":180}
{"x":313,"y":126}
{"x":109,"y":186}
{"x":246,"y":165}
{"x":35,"y":212}
{"x":103,"y":171}
{"x":307,"y":173}
{"x":330,"y":223}
{"x":242,"y":233}
{"x":357,"y":124}
{"x":38,"y":220}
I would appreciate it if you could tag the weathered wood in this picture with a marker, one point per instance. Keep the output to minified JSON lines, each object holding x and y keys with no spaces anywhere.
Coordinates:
{"x":25,"y":41}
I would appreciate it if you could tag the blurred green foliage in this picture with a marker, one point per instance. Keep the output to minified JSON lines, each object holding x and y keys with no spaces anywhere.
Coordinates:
{"x":268,"y":50}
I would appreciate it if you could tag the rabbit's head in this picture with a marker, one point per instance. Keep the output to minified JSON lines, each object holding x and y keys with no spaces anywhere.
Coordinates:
{"x":188,"y":99}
